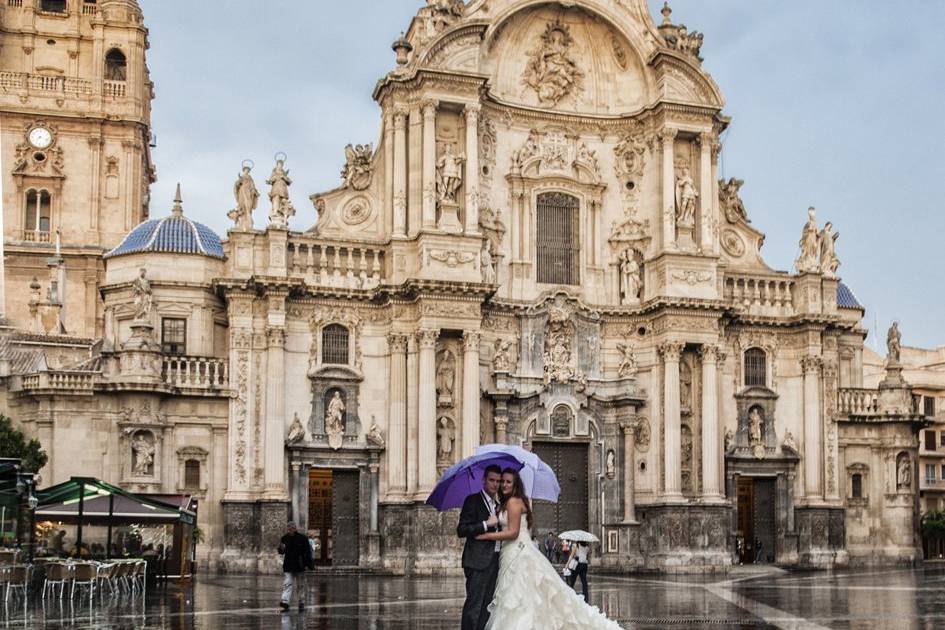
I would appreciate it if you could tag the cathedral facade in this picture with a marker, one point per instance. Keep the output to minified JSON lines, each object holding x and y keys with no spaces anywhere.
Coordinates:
{"x":537,"y":250}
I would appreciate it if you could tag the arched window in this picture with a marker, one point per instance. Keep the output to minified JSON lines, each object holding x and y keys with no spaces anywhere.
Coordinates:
{"x":335,"y":344}
{"x":559,"y":248}
{"x":38,"y":204}
{"x":54,"y":6}
{"x":116,"y":66}
{"x":756,"y":374}
{"x":856,"y":486}
{"x":192,"y":474}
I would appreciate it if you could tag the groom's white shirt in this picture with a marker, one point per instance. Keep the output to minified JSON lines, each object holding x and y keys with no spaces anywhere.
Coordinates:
{"x":491,"y":504}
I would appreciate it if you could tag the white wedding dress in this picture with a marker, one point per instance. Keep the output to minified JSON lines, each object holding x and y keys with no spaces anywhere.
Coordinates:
{"x":530,"y":595}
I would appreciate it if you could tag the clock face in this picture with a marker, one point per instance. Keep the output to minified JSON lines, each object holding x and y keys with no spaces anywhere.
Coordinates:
{"x":40,"y":137}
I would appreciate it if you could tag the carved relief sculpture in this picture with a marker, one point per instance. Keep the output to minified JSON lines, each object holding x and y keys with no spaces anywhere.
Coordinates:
{"x":143,"y":296}
{"x":551,"y":71}
{"x":789,"y":444}
{"x":142,"y":449}
{"x":374,"y":436}
{"x":729,"y":440}
{"x":557,"y":355}
{"x":247,"y":197}
{"x":730,"y":201}
{"x":445,"y":378}
{"x":356,"y":173}
{"x":686,"y":195}
{"x":503,"y":357}
{"x":628,"y":363}
{"x":631,"y":280}
{"x":296,"y":431}
{"x":335,"y":421}
{"x":279,"y":183}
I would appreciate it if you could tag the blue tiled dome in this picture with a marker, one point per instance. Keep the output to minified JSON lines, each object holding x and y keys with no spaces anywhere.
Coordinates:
{"x":845,"y":297}
{"x":175,"y":234}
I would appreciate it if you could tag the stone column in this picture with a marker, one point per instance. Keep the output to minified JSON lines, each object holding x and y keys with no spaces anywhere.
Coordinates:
{"x":668,"y":139}
{"x":389,"y":169}
{"x":275,"y":414}
{"x":429,"y":164}
{"x":413,"y":415}
{"x":397,"y":414}
{"x":710,"y":422}
{"x":375,"y":487}
{"x":472,"y":167}
{"x":501,"y":418}
{"x":671,"y":353}
{"x":470,"y":392}
{"x":813,"y":487}
{"x":295,"y":492}
{"x":426,"y":340}
{"x":706,"y":189}
{"x":303,"y":498}
{"x":629,"y":446}
{"x":400,"y":172}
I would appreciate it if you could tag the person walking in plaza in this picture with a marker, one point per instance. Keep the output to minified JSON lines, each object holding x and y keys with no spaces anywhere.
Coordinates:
{"x":296,"y":552}
{"x":550,"y":542}
{"x":480,"y":558}
{"x":577,"y":565}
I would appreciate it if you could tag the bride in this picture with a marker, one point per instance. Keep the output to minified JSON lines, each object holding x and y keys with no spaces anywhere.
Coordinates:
{"x":530,"y":594}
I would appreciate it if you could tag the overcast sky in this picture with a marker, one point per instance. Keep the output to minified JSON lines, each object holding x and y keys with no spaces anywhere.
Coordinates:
{"x":834,"y":104}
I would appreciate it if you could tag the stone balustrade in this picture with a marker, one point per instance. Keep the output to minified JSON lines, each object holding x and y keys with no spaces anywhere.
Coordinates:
{"x":44,"y":84}
{"x":335,"y":264}
{"x":89,"y":9}
{"x":115,"y":89}
{"x":196,"y":372}
{"x":771,"y":296}
{"x":36,"y":236}
{"x":854,"y":401}
{"x":79,"y":382}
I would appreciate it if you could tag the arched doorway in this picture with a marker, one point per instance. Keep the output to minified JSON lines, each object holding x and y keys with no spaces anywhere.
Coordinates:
{"x":569,"y":461}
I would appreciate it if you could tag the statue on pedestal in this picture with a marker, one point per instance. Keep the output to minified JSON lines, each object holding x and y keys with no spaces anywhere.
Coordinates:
{"x":894,"y":343}
{"x":374,"y":435}
{"x":630,"y":278}
{"x":686,"y":195}
{"x":296,"y":431}
{"x":335,"y":421}
{"x":445,"y":378}
{"x":143,"y":451}
{"x":449,"y":175}
{"x":244,"y":190}
{"x":445,"y":437}
{"x":809,"y":258}
{"x":829,"y":263}
{"x":755,"y":426}
{"x":143,"y":297}
{"x":279,"y":183}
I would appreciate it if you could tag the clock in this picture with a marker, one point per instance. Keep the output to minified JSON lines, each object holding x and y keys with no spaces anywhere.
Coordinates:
{"x":40,"y":137}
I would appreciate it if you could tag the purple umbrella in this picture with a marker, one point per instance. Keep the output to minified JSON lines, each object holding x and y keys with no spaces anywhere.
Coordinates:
{"x":465,"y":478}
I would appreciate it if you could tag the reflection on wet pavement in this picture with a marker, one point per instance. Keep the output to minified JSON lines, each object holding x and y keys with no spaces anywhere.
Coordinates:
{"x":895,"y":598}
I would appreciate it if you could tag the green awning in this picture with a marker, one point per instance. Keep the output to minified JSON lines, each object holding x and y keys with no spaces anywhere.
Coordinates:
{"x":61,"y":502}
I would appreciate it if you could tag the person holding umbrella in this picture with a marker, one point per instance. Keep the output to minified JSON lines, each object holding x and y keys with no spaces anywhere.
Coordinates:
{"x":480,"y":558}
{"x":576,"y":565}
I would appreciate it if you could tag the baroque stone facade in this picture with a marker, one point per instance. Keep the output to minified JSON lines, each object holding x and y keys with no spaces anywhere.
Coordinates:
{"x":539,"y":251}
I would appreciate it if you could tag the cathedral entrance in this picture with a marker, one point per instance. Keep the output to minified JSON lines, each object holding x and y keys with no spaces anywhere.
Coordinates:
{"x":755,"y":538}
{"x":569,"y":462}
{"x":333,"y":503}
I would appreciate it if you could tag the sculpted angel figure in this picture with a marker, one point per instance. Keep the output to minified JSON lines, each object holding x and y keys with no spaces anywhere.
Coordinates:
{"x":357,"y":169}
{"x":829,"y":263}
{"x":141,"y":291}
{"x":244,"y":190}
{"x":449,"y":174}
{"x":628,"y":363}
{"x":279,"y":183}
{"x":730,"y":200}
{"x":686,"y":195}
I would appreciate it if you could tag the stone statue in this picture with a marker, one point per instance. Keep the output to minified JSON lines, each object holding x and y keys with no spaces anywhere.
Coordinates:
{"x":611,"y":464}
{"x":143,"y":451}
{"x":630,"y":278}
{"x":357,"y":169}
{"x":246,"y":199}
{"x":730,"y":201}
{"x":755,"y":426}
{"x":686,"y":195}
{"x":487,"y":264}
{"x":445,"y":436}
{"x":445,"y":377}
{"x":551,"y":71}
{"x":894,"y":343}
{"x":503,"y":359}
{"x":374,"y":435}
{"x":628,"y":363}
{"x":829,"y":263}
{"x":729,"y":440}
{"x":143,"y":297}
{"x":296,"y":431}
{"x":335,"y":421}
{"x":809,"y":258}
{"x":789,"y":444}
{"x":449,"y":175}
{"x":904,"y":473}
{"x":279,"y":183}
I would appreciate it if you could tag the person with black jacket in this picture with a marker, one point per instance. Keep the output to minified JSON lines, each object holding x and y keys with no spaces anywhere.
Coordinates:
{"x":297,"y":557}
{"x":480,"y":557}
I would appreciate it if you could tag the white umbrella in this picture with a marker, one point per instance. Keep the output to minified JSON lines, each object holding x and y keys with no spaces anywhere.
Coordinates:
{"x":579,"y":535}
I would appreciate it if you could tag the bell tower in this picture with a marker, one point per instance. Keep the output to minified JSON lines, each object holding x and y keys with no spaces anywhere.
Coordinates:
{"x":75,"y":136}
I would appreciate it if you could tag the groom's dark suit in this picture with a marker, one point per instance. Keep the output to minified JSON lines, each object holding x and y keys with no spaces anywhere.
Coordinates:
{"x":480,"y":561}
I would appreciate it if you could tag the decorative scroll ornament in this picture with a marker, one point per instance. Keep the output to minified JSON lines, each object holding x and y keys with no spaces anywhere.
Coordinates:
{"x":551,"y":71}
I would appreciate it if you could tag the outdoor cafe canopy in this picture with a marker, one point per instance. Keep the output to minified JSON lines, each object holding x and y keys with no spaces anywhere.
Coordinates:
{"x":96,"y":502}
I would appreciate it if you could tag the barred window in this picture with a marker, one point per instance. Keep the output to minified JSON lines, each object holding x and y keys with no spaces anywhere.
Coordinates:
{"x":559,"y":249}
{"x":174,"y":336}
{"x":192,"y":474}
{"x":856,"y":482}
{"x":335,"y":344}
{"x":38,"y":203}
{"x":755,"y":368}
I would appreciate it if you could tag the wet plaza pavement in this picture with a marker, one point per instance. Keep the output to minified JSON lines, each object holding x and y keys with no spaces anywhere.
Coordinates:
{"x":900,"y":599}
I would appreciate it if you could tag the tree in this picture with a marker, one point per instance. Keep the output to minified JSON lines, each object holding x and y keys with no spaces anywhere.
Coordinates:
{"x":15,"y":445}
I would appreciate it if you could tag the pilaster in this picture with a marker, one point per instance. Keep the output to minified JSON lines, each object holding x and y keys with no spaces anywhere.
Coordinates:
{"x":471,"y":393}
{"x":471,"y":113}
{"x":671,"y":353}
{"x":426,"y":341}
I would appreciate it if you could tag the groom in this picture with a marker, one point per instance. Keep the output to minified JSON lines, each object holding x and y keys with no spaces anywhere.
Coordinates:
{"x":480,"y":557}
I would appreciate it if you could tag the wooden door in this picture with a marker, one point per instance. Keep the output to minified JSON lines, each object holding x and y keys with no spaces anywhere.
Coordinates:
{"x":345,"y":502}
{"x":745,"y":536}
{"x":319,"y":511}
{"x":569,"y":463}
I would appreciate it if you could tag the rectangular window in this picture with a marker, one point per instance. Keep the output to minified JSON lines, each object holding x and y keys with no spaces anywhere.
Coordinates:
{"x":192,"y":474}
{"x":559,"y":250}
{"x":943,"y":472}
{"x":857,"y":486}
{"x":930,"y":473}
{"x":942,"y":438}
{"x":928,"y":403}
{"x":174,"y":336}
{"x":930,"y":440}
